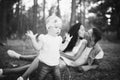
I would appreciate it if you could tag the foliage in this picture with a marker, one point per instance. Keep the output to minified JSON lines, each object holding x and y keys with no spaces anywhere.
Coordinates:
{"x":101,"y":19}
{"x":22,"y":20}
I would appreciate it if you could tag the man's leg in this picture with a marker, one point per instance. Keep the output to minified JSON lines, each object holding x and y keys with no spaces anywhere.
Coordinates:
{"x":92,"y":61}
{"x":95,"y":64}
{"x":88,"y":67}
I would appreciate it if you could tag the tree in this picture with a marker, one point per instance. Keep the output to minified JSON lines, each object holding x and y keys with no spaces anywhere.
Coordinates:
{"x":35,"y":16}
{"x":58,"y":9}
{"x":5,"y":14}
{"x":43,"y":19}
{"x":73,"y":13}
{"x":4,"y":19}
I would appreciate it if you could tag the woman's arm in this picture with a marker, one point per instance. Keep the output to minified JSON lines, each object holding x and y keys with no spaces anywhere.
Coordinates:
{"x":32,"y":67}
{"x":64,"y":45}
{"x":81,"y":49}
{"x":67,"y":40}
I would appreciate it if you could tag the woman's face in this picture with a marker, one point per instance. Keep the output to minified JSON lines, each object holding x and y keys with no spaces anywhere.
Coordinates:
{"x":81,"y":31}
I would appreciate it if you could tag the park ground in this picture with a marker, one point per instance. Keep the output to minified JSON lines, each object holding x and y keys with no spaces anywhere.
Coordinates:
{"x":109,"y":68}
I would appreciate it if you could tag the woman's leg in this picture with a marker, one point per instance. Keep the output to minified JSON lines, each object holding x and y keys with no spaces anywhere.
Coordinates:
{"x":28,"y":57}
{"x":33,"y":67}
{"x":62,"y":64}
{"x":64,"y":68}
{"x":16,"y":55}
{"x":18,"y":70}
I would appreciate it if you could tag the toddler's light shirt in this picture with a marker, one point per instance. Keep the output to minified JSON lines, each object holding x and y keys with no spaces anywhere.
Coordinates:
{"x":49,"y":53}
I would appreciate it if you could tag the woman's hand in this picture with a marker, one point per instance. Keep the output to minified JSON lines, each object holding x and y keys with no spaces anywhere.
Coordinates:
{"x":68,"y":37}
{"x":31,"y":35}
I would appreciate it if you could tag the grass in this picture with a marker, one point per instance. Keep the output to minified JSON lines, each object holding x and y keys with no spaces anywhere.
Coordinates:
{"x":108,"y":69}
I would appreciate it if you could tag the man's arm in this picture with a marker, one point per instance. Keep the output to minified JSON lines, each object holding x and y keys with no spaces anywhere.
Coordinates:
{"x":96,"y":53}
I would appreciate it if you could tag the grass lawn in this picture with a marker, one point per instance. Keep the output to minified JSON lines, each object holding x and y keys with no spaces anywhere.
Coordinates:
{"x":109,"y":68}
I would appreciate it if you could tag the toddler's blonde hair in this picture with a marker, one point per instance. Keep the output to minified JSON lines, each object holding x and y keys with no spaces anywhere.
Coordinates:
{"x":53,"y":21}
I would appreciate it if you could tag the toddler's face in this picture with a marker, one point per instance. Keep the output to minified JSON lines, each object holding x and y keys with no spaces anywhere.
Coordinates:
{"x":54,"y":25}
{"x":55,"y":29}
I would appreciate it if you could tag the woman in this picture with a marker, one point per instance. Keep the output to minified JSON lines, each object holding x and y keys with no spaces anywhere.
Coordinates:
{"x":81,"y":41}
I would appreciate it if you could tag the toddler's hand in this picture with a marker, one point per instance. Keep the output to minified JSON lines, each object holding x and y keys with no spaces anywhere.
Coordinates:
{"x":20,"y":78}
{"x":31,"y":35}
{"x":68,"y":37}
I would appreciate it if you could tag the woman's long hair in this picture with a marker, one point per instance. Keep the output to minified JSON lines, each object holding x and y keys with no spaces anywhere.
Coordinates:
{"x":73,"y":31}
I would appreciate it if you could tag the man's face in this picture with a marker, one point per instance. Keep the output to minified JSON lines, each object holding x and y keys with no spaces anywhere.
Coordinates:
{"x":92,"y":39}
{"x":90,"y":31}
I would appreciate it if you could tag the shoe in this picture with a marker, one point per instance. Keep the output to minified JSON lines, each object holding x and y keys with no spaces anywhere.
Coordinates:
{"x":1,"y":72}
{"x":13,"y":54}
{"x":20,"y":78}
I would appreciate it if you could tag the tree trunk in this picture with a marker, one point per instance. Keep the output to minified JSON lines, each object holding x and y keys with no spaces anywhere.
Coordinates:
{"x":118,"y":33}
{"x":20,"y":29}
{"x":4,"y":20}
{"x":118,"y":27}
{"x":83,"y":15}
{"x":58,"y":9}
{"x":73,"y":13}
{"x":42,"y":25}
{"x":35,"y":16}
{"x":44,"y":12}
{"x":43,"y":20}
